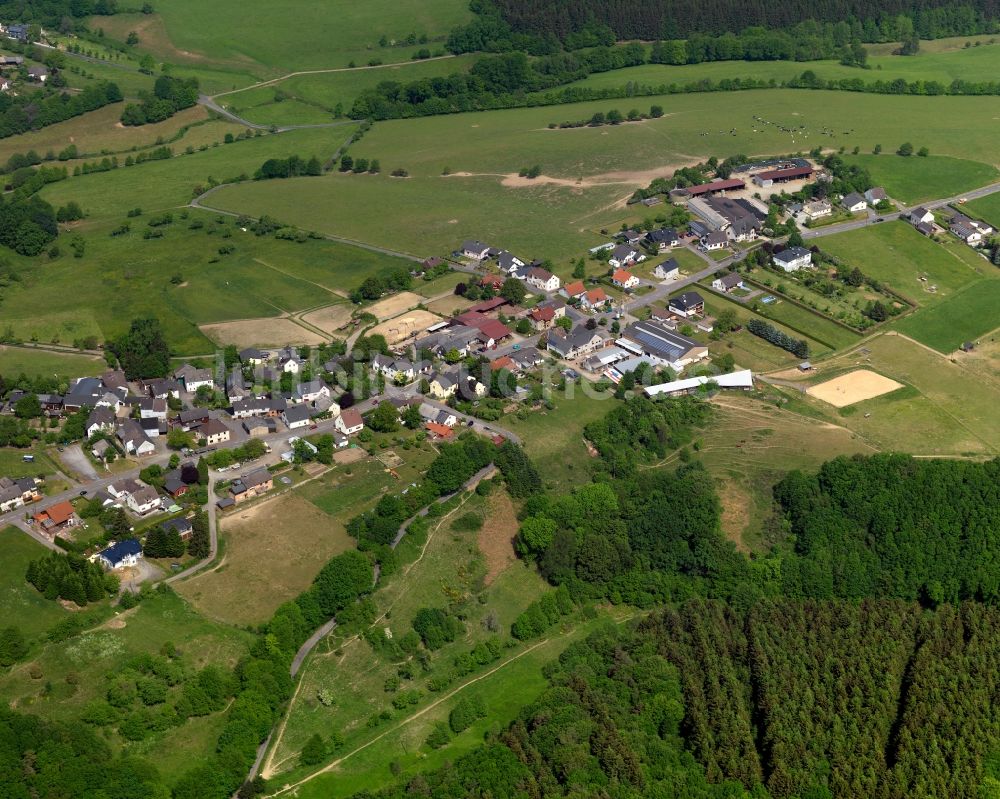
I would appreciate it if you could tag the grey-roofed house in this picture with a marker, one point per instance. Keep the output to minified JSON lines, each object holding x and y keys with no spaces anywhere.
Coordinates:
{"x":100,"y":420}
{"x":194,"y":378}
{"x":791,"y":259}
{"x":668,"y":270}
{"x":134,"y":438}
{"x":688,"y":304}
{"x":854,"y":202}
{"x":473,"y":248}
{"x":296,"y":416}
{"x":253,"y":356}
{"x":508,"y":262}
{"x":250,"y":485}
{"x":663,"y":239}
{"x":181,"y":524}
{"x":714,"y":240}
{"x":578,"y":342}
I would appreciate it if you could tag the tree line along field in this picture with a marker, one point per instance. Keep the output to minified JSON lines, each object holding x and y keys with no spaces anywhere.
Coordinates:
{"x":222,"y":35}
{"x":181,"y":279}
{"x":321,"y":92}
{"x":596,"y":168}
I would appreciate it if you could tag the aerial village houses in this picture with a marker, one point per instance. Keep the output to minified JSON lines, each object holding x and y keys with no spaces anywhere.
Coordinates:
{"x":876,"y":195}
{"x":542,"y":279}
{"x":664,"y":346}
{"x":714,"y":240}
{"x":689,"y":304}
{"x":296,"y":416}
{"x":663,"y":239}
{"x":625,"y":255}
{"x":144,"y":500}
{"x":122,"y":555}
{"x":728,"y":282}
{"x":17,"y":493}
{"x":667,"y":270}
{"x":349,"y":422}
{"x":791,"y":259}
{"x":624,"y":279}
{"x":801,"y":170}
{"x":475,"y":250}
{"x":593,"y":299}
{"x":578,"y":342}
{"x":817,"y":209}
{"x":921,"y":214}
{"x":60,"y":516}
{"x":854,"y":203}
{"x":213,"y":432}
{"x":193,"y":379}
{"x":250,"y":485}
{"x":971,"y":231}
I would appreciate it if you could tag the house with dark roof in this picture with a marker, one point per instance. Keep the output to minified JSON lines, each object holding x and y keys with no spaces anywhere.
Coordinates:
{"x":213,"y":432}
{"x":688,"y":304}
{"x":714,"y":240}
{"x":251,"y":356}
{"x":250,"y":485}
{"x":791,"y":259}
{"x":667,"y":270}
{"x":854,"y":203}
{"x":625,"y":255}
{"x":100,"y":420}
{"x":921,"y":214}
{"x":663,"y":239}
{"x":728,"y":282}
{"x":475,"y":249}
{"x":260,"y":427}
{"x":508,"y":262}
{"x":181,"y":524}
{"x":875,"y":195}
{"x":297,"y":416}
{"x":578,"y":342}
{"x":122,"y":555}
{"x":134,"y":439}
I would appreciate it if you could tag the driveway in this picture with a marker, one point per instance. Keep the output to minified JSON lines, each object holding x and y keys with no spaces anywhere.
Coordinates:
{"x":79,"y":464}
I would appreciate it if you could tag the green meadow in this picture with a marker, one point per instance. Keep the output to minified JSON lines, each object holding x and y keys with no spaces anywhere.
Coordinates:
{"x":15,"y":360}
{"x":595,"y":169}
{"x":913,"y":180}
{"x":221,"y":35}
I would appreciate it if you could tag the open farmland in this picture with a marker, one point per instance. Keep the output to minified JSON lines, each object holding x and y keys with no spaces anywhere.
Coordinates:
{"x":913,"y":180}
{"x":967,"y":315}
{"x":20,"y":603}
{"x":222,"y":35}
{"x":587,"y":173}
{"x":18,"y":360}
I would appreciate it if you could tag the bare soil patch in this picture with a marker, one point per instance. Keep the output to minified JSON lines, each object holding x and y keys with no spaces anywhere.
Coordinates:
{"x":496,"y":537}
{"x":404,"y":326}
{"x":856,"y":386}
{"x":637,"y":177}
{"x":330,"y":319}
{"x":395,"y":305}
{"x":275,"y":331}
{"x":347,"y":456}
{"x":446,"y":306}
{"x":273,"y":551}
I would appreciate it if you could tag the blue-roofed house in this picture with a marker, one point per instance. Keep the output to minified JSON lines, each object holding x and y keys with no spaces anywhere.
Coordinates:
{"x":121,"y":555}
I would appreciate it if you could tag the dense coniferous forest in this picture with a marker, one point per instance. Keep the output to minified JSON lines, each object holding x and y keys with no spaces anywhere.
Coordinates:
{"x":651,"y":19}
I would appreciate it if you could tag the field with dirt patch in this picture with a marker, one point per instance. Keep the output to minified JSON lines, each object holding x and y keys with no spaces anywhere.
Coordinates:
{"x":272,"y":551}
{"x":394,"y":305}
{"x":267,"y":332}
{"x":331,"y":318}
{"x":402,"y":327}
{"x":853,"y":387}
{"x":496,"y":538}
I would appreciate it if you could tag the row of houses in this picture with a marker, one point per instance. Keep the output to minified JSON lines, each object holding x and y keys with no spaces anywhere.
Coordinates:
{"x":16,"y":493}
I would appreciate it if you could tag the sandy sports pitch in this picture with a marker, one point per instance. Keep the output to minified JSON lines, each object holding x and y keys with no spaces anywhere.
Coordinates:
{"x":265,"y":332}
{"x":396,"y":304}
{"x":856,"y":386}
{"x":402,"y":327}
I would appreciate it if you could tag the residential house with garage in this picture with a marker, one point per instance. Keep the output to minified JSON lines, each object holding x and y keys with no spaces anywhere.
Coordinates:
{"x":728,"y":282}
{"x":663,"y":239}
{"x":854,"y":203}
{"x":143,"y":501}
{"x":662,"y":345}
{"x":625,"y":255}
{"x":134,"y":439}
{"x":475,"y":249}
{"x":689,"y":304}
{"x":17,"y":493}
{"x":542,"y":279}
{"x":213,"y":432}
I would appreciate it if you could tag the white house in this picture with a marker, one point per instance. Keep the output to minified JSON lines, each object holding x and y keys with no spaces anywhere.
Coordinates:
{"x":714,"y":240}
{"x":152,"y":408}
{"x":508,"y":262}
{"x":194,"y":379}
{"x":728,"y":282}
{"x":921,"y":215}
{"x":349,"y":422}
{"x":875,"y":195}
{"x":311,"y":391}
{"x":625,"y":255}
{"x":792,"y":259}
{"x":817,"y":209}
{"x":855,"y":203}
{"x":668,"y":270}
{"x":214,"y":432}
{"x":542,"y":279}
{"x":475,"y":249}
{"x":134,"y":438}
{"x":143,"y":501}
{"x":101,"y":420}
{"x":624,"y":279}
{"x":296,"y":416}
{"x":121,"y":555}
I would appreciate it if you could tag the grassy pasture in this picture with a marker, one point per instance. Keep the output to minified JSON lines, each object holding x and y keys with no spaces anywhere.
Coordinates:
{"x":20,"y":604}
{"x":288,"y":534}
{"x":987,"y":208}
{"x":965,"y":316}
{"x":598,"y":167}
{"x":15,"y":360}
{"x":323,"y":91}
{"x":913,"y":180}
{"x":895,"y":253}
{"x":122,"y":277}
{"x":221,"y":35}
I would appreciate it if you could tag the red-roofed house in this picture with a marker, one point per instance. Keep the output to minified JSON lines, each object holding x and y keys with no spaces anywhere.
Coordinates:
{"x":593,"y":298}
{"x":492,"y":331}
{"x":624,"y":279}
{"x":503,"y":362}
{"x":439,"y":430}
{"x":575,"y":289}
{"x":542,"y":318}
{"x":349,"y":422}
{"x":494,"y":281}
{"x":56,"y":517}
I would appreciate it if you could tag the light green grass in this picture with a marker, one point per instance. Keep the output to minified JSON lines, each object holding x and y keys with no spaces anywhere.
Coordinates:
{"x":808,"y":324}
{"x":966,"y":315}
{"x":440,"y":285}
{"x":324,"y":91}
{"x":987,"y":208}
{"x":913,"y":180}
{"x":120,"y":278}
{"x":432,"y":213}
{"x":33,"y":362}
{"x":20,"y":604}
{"x":295,"y":34}
{"x":898,"y":255}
